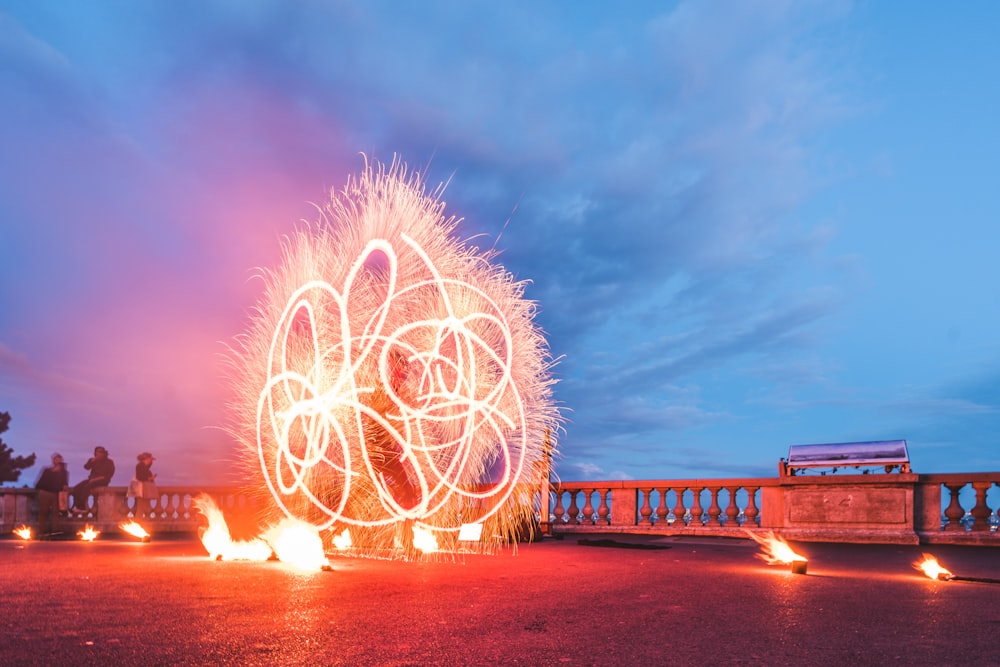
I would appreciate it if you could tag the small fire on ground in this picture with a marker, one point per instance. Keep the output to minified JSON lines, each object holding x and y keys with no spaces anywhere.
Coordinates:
{"x":776,"y":551}
{"x":23,"y":532}
{"x":294,"y":542}
{"x":88,"y":534}
{"x":932,"y":569}
{"x":134,"y":529}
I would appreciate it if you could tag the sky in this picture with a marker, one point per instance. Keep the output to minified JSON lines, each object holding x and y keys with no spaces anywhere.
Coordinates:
{"x":747,"y":225}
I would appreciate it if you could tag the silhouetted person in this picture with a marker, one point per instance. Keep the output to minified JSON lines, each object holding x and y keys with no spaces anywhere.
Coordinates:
{"x":143,"y":485}
{"x":102,"y":469}
{"x":51,"y":482}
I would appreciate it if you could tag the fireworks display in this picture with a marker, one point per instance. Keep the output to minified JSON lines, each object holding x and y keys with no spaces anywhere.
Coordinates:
{"x":392,"y":378}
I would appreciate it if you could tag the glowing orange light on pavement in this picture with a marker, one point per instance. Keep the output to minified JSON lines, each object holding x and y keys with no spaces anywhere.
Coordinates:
{"x":23,"y":532}
{"x":88,"y":534}
{"x":776,"y":550}
{"x":134,"y":529}
{"x":930,"y":567}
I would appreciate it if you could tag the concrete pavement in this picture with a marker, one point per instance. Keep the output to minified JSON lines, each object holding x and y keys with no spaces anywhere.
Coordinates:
{"x":555,"y":602}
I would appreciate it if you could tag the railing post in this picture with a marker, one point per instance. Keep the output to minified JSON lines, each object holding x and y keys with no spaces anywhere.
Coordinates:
{"x":732,"y":510}
{"x":558,"y":511}
{"x":750,"y":512}
{"x":603,"y":511}
{"x":679,"y":510}
{"x":954,"y":511}
{"x":646,"y":511}
{"x":696,"y":510}
{"x":981,"y":512}
{"x":623,"y":507}
{"x":714,"y":511}
{"x":574,"y":511}
{"x":588,"y":507}
{"x":662,"y":510}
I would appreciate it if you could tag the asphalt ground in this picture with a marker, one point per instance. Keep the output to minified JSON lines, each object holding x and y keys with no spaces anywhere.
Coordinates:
{"x":555,"y":602}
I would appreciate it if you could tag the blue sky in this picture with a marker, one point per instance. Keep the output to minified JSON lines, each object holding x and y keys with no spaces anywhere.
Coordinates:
{"x":747,"y":225}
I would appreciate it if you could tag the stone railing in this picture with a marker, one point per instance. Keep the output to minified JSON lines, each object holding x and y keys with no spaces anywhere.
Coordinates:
{"x":171,"y":512}
{"x":957,"y":508}
{"x":960,"y":508}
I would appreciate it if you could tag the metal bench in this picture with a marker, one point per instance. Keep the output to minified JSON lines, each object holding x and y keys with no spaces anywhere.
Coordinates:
{"x":888,"y":455}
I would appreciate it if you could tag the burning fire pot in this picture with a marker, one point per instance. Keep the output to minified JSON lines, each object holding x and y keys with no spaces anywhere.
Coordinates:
{"x":799,"y":566}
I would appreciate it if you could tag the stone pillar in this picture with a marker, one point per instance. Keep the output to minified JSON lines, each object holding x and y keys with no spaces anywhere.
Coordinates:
{"x":623,"y":507}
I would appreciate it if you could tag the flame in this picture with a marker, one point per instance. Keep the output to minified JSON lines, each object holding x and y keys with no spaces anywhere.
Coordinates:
{"x":930,"y":567}
{"x":343,"y":541}
{"x":297,"y":543}
{"x":776,"y":550}
{"x":217,"y":540}
{"x":88,"y":534}
{"x":133,"y":528}
{"x":23,"y":532}
{"x":424,"y":540}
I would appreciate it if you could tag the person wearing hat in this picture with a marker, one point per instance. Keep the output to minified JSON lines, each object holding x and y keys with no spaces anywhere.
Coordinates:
{"x":102,"y":469}
{"x":143,"y":486}
{"x":51,"y":482}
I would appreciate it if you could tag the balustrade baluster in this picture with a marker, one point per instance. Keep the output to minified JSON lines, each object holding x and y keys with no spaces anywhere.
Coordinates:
{"x":645,"y":511}
{"x":714,"y":511}
{"x":954,"y":511}
{"x":732,"y":510}
{"x":558,"y":510}
{"x":662,"y":510}
{"x":981,"y":512}
{"x":751,"y":511}
{"x":588,"y":507}
{"x":696,"y":510}
{"x":604,"y":512}
{"x":574,"y":511}
{"x":679,"y":510}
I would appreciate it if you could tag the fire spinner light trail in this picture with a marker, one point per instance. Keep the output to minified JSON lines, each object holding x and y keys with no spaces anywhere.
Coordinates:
{"x":392,"y":378}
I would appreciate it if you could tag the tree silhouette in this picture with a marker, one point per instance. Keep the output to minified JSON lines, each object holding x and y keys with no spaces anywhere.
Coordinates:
{"x":10,"y":465}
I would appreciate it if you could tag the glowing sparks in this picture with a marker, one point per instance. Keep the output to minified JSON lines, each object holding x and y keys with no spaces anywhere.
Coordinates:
{"x":298,"y":544}
{"x":342,"y":542}
{"x":932,"y":569}
{"x":776,"y":550}
{"x":88,"y":534}
{"x":134,"y":529}
{"x":24,"y":532}
{"x":216,"y":538}
{"x":424,"y":540}
{"x":393,"y":374}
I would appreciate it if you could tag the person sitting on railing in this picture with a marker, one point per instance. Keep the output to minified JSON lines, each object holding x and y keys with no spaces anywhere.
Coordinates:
{"x":143,"y":485}
{"x":102,"y":469}
{"x":50,"y":484}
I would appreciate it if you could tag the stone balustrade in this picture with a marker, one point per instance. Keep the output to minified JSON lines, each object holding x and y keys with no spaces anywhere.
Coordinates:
{"x":171,"y":512}
{"x":960,"y":508}
{"x":955,"y":508}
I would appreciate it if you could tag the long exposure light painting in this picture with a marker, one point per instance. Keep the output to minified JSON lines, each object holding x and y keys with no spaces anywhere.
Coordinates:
{"x":393,"y":378}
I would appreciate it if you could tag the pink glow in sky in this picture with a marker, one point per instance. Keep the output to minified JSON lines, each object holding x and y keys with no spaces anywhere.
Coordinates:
{"x":747,"y":225}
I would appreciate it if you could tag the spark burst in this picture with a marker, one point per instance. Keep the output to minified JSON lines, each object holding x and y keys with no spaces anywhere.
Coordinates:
{"x":392,"y":377}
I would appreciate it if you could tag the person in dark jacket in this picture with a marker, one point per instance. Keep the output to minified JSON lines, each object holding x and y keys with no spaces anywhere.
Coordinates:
{"x":143,"y":486}
{"x":51,"y":482}
{"x":102,"y":469}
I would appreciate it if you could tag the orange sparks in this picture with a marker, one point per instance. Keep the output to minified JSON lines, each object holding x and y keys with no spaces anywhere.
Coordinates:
{"x":424,"y":540}
{"x":88,"y":534}
{"x":930,"y":567}
{"x":776,"y":550}
{"x":134,"y":529}
{"x":297,"y":543}
{"x":342,"y":542}
{"x":23,"y":532}
{"x":217,"y":540}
